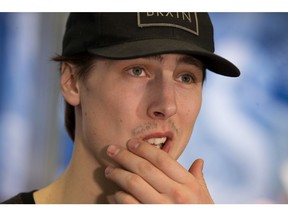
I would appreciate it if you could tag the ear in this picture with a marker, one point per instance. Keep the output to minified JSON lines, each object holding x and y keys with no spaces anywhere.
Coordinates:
{"x":70,"y":84}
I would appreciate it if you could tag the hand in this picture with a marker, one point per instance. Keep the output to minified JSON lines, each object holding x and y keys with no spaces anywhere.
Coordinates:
{"x":149,"y":175}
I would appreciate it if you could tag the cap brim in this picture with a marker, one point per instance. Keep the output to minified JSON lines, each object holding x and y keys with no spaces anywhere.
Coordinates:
{"x":136,"y":49}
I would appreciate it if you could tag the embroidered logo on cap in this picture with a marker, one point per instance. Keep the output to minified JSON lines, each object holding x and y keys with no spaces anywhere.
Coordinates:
{"x":183,"y":20}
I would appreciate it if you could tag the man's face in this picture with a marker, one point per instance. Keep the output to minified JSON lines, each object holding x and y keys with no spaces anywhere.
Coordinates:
{"x":155,"y":98}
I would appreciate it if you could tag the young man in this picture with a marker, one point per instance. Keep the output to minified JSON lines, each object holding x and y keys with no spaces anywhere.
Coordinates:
{"x":132,"y":83}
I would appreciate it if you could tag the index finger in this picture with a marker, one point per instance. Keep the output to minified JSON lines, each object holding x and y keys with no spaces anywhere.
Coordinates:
{"x":160,"y":159}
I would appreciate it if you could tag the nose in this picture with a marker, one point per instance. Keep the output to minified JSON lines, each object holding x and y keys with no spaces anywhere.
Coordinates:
{"x":162,"y":100}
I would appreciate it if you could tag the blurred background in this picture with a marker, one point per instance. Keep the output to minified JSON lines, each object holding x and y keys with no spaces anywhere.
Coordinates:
{"x":241,"y":132}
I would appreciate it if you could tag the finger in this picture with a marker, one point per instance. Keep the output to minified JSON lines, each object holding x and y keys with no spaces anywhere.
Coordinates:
{"x":160,"y":159}
{"x":111,"y":199}
{"x":122,"y":197}
{"x":196,"y":170}
{"x":140,"y":166}
{"x":133,"y":184}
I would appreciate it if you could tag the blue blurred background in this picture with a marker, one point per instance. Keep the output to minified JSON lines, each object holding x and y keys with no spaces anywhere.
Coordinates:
{"x":241,"y":132}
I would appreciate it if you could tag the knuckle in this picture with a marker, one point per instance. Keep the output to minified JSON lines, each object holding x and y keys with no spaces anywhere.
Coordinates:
{"x":161,"y":161}
{"x":165,"y":200}
{"x":144,"y":167}
{"x":180,"y":196}
{"x":121,"y":197}
{"x":133,"y":181}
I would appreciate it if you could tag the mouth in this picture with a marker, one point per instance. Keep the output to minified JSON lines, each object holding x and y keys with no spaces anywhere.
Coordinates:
{"x":157,"y":142}
{"x":160,"y":140}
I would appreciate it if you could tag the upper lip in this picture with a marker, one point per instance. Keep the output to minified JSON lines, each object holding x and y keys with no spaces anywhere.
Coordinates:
{"x":168,"y":134}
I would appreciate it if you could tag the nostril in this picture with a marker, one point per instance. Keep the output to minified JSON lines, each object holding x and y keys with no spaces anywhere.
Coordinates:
{"x":158,"y":114}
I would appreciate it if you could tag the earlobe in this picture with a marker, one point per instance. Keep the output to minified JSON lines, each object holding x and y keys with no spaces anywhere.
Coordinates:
{"x":70,"y":84}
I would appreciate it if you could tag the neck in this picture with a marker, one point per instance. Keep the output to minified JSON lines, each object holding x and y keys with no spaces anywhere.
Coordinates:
{"x":82,"y":182}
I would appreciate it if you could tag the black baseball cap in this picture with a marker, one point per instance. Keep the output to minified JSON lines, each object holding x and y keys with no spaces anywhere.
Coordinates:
{"x":132,"y":35}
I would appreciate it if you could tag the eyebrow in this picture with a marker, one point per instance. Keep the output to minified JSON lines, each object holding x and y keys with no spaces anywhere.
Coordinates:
{"x":187,"y":59}
{"x":155,"y":57}
{"x":190,"y":60}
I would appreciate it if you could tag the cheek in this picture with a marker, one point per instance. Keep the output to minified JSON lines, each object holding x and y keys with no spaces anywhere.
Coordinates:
{"x":105,"y":121}
{"x":191,"y":109}
{"x":188,"y":115}
{"x":102,"y":125}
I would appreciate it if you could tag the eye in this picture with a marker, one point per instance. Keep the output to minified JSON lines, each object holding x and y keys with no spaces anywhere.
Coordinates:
{"x":186,"y":78}
{"x":137,"y":71}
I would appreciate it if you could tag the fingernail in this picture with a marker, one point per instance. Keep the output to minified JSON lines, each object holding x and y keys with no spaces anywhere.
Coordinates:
{"x":133,"y":144}
{"x":112,"y":150}
{"x":108,"y":170}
